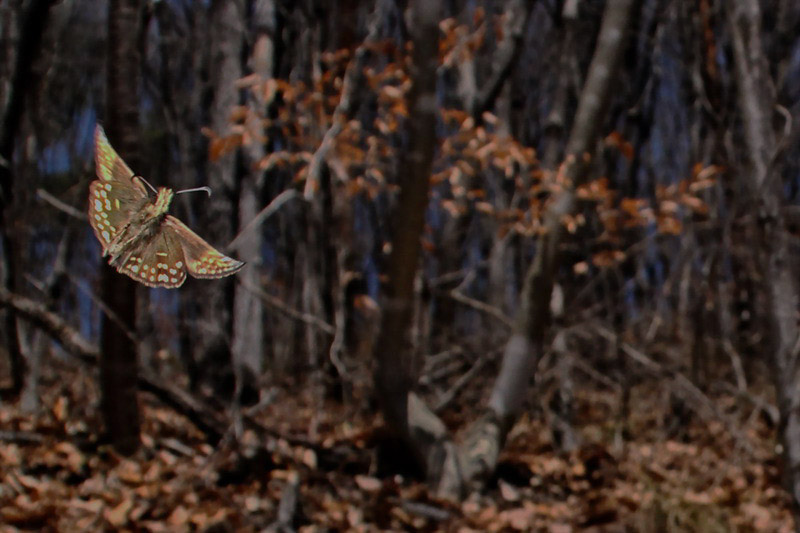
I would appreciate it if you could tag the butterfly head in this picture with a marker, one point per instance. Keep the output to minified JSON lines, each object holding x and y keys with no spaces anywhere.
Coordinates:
{"x":161,"y":204}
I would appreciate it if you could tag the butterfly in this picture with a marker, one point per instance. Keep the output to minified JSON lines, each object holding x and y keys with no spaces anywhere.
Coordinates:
{"x":139,"y":237}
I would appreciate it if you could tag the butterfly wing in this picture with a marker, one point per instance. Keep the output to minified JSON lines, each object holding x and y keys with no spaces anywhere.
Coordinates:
{"x":115,"y":196}
{"x":202,"y":260}
{"x":159,"y":262}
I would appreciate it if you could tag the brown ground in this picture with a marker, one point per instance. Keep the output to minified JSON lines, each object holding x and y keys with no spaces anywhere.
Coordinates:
{"x":54,"y":477}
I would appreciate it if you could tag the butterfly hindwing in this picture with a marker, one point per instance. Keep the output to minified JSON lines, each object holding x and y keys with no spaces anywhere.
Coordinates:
{"x":157,"y":263}
{"x":202,"y":259}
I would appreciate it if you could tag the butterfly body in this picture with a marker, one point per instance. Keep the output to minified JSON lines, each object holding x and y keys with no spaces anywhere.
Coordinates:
{"x":143,"y":227}
{"x":138,"y":235}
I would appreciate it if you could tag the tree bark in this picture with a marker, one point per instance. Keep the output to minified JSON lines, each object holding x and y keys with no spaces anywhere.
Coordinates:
{"x":517,"y":15}
{"x":393,"y":372}
{"x":118,"y":365}
{"x":450,"y":469}
{"x":248,"y":309}
{"x":32,"y":26}
{"x":761,"y":179}
{"x":477,"y":456}
{"x":213,"y":336}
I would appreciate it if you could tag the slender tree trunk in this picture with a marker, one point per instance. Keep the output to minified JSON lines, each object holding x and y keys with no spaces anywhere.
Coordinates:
{"x":762,"y":180}
{"x":479,"y":451}
{"x":215,"y":300}
{"x":450,"y":469}
{"x":32,"y":25}
{"x":248,"y":310}
{"x":393,"y":372}
{"x":118,"y":365}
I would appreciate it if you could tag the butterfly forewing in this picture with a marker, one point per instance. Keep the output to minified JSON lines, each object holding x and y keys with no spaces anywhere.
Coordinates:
{"x":115,"y":197}
{"x":202,"y":259}
{"x":158,"y":263}
{"x":112,"y":169}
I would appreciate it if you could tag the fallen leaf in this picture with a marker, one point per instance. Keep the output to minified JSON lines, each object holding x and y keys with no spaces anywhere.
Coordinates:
{"x":367,"y":483}
{"x":118,"y":516}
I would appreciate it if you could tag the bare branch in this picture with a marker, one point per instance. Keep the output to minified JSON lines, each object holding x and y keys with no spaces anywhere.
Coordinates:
{"x":353,"y":80}
{"x":278,"y":305}
{"x":517,"y":16}
{"x":263,"y":215}
{"x":61,"y":206}
{"x":483,"y":307}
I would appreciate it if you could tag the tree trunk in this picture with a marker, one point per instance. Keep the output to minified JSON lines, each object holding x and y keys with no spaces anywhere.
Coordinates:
{"x":118,"y":365}
{"x":478,"y":454}
{"x":248,"y":310}
{"x":32,"y":25}
{"x":762,"y":180}
{"x":215,"y":300}
{"x":393,"y":373}
{"x":449,"y":469}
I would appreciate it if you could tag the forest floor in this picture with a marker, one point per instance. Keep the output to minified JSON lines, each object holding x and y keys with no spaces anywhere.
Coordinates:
{"x":719,"y":474}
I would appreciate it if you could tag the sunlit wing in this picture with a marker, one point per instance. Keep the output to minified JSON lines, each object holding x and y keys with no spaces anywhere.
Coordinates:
{"x":202,"y":259}
{"x":116,"y":196}
{"x":158,"y":263}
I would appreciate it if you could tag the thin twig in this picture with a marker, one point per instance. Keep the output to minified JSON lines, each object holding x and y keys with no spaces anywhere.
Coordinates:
{"x":21,"y":437}
{"x":337,"y":345}
{"x":106,"y":310}
{"x":38,"y":315}
{"x":351,"y":83}
{"x":482,"y":307}
{"x":461,"y":382}
{"x":277,"y":304}
{"x":690,"y":391}
{"x":61,"y":206}
{"x":263,"y":215}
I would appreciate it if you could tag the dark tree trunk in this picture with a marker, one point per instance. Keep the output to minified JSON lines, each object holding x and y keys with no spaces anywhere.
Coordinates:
{"x":762,"y":179}
{"x":32,"y":25}
{"x":393,"y":372}
{"x":118,"y":365}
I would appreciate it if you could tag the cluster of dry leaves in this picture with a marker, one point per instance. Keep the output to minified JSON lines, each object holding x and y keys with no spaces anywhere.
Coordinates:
{"x":56,"y":477}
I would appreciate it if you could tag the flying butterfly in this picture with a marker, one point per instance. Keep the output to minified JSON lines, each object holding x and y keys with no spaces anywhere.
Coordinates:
{"x":139,"y":237}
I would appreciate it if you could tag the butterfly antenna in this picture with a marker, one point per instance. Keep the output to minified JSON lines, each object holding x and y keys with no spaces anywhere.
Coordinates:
{"x":196,"y":189}
{"x":147,"y":183}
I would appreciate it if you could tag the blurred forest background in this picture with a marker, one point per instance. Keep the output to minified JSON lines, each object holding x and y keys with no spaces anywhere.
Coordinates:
{"x":512,"y":265}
